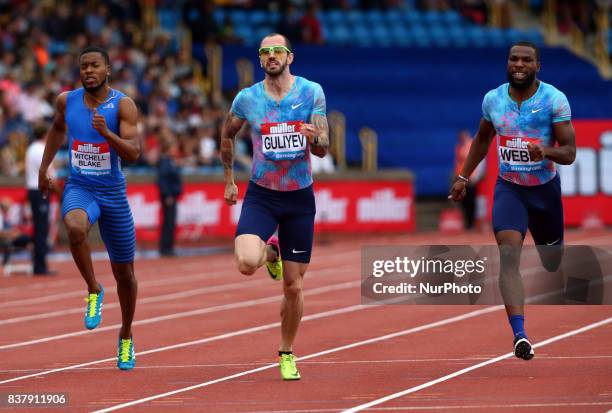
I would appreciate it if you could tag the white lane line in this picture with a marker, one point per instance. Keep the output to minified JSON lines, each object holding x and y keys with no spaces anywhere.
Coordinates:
{"x":159,"y":298}
{"x":453,"y":407}
{"x":190,"y":313}
{"x":335,"y":362}
{"x":219,"y":271}
{"x":141,"y":301}
{"x":318,"y":354}
{"x":263,"y":327}
{"x":109,"y":283}
{"x":474,"y":367}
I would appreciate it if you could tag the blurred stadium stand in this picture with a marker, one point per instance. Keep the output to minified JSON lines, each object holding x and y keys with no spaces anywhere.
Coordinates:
{"x":414,"y":71}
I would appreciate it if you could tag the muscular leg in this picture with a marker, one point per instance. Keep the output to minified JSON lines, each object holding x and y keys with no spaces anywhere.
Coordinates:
{"x":292,"y":306}
{"x":251,"y":252}
{"x":127,"y":289}
{"x":510,"y":243}
{"x":77,"y":225}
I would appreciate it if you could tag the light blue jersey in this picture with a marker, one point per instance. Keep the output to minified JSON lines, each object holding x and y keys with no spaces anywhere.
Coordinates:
{"x":281,"y":155}
{"x":93,"y":162}
{"x":515,"y":128}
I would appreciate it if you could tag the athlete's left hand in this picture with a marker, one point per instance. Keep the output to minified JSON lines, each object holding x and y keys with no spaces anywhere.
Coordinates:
{"x":536,"y":152}
{"x":310,"y":131}
{"x":99,"y":123}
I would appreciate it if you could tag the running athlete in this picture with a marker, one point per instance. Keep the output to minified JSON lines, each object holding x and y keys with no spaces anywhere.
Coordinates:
{"x":288,"y":122}
{"x":532,"y":122}
{"x":101,"y":127}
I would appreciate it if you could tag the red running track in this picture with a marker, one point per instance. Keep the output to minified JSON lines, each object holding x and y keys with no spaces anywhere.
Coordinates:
{"x":206,"y":339}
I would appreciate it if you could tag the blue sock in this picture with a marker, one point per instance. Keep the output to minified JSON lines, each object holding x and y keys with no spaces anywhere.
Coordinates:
{"x":517,"y":322}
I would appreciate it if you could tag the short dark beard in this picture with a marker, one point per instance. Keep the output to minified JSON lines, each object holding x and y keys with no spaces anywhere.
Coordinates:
{"x":94,"y":89}
{"x":276,"y":74}
{"x":525,"y":84}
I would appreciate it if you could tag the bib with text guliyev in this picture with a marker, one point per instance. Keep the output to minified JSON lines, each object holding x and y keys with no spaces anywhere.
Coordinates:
{"x":282,"y":141}
{"x":513,"y":154}
{"x":91,"y":158}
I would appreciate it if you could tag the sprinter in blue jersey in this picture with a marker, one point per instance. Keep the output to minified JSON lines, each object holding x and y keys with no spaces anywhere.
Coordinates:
{"x":101,"y":126}
{"x":532,"y":122}
{"x":288,"y":123}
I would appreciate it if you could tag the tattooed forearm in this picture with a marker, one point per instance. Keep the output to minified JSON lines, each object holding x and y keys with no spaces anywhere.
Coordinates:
{"x":230,"y":129}
{"x":321,"y":147}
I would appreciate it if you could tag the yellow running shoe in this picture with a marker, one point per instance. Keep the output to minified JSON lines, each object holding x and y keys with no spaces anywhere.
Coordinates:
{"x":288,"y":369}
{"x":275,"y":268}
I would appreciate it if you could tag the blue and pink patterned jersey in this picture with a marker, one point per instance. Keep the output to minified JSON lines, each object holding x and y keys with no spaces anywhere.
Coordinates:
{"x":515,"y":128}
{"x":281,"y":155}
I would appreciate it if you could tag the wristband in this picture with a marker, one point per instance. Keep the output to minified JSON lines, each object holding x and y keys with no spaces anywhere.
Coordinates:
{"x":463,"y":178}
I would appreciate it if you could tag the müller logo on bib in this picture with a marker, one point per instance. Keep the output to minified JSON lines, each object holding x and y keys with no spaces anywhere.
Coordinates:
{"x":513,"y":151}
{"x":91,"y":158}
{"x":282,"y":141}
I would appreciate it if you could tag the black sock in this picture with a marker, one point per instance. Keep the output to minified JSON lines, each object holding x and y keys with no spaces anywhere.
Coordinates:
{"x":280,"y":353}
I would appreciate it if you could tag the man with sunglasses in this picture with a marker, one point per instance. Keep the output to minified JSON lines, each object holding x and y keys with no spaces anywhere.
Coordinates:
{"x":288,"y":122}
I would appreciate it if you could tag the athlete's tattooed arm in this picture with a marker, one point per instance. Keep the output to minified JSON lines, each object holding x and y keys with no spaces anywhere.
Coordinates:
{"x":231,"y":127}
{"x":317,"y":134}
{"x":565,"y":153}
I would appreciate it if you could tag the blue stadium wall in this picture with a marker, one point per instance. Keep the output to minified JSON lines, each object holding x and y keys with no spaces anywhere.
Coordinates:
{"x":417,"y":99}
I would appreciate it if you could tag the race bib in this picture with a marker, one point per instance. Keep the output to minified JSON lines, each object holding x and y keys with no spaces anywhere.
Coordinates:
{"x":91,"y":158}
{"x":281,"y":141}
{"x":513,"y":154}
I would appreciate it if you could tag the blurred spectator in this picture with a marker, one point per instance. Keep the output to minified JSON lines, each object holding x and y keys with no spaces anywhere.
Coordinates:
{"x":474,"y":10}
{"x":311,"y":27}
{"x":468,"y":203}
{"x":170,"y":186}
{"x":323,"y":165}
{"x":290,"y":23}
{"x":38,"y":204}
{"x":198,"y":15}
{"x":10,"y":238}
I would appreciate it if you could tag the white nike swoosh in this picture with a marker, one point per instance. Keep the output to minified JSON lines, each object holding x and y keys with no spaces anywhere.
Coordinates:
{"x":297,"y":252}
{"x":535,"y":110}
{"x":554,"y":242}
{"x":297,"y":106}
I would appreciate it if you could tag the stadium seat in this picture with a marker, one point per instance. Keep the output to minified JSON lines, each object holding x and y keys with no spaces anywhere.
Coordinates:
{"x":219,"y":15}
{"x":400,"y":35}
{"x":339,"y":34}
{"x":478,"y":36}
{"x":439,"y":35}
{"x":361,"y":35}
{"x":451,"y":17}
{"x":375,"y":18}
{"x":381,"y":35}
{"x":239,"y":17}
{"x":355,"y":18}
{"x":258,"y":18}
{"x":497,"y":37}
{"x":432,"y":17}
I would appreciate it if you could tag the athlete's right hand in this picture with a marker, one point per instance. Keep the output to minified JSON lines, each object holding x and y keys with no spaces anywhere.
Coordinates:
{"x":231,"y":193}
{"x":44,"y":183}
{"x":458,"y":190}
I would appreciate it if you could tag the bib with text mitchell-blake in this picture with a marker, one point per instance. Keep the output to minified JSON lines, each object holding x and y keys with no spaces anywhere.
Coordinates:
{"x":514,"y":155}
{"x":282,"y":141}
{"x":91,"y":158}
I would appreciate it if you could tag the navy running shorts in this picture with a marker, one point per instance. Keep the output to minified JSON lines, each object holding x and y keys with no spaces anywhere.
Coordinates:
{"x":538,"y":208}
{"x":109,"y":206}
{"x":293,"y":212}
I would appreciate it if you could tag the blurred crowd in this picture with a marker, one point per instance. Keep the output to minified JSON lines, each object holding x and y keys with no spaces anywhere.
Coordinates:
{"x":40,"y":41}
{"x":39,"y":46}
